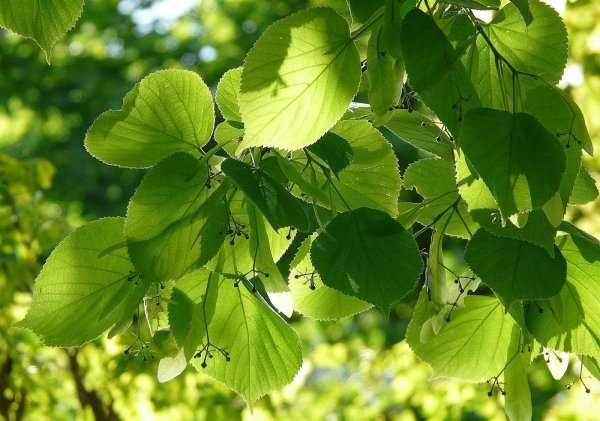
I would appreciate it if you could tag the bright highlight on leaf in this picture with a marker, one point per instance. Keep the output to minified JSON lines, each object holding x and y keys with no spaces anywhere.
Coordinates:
{"x":44,"y":21}
{"x":169,"y":111}
{"x":298,"y":80}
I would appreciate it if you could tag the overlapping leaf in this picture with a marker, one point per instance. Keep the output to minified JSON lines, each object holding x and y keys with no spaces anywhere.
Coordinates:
{"x":512,"y":154}
{"x":515,"y":269}
{"x":366,"y":254}
{"x":314,"y":299}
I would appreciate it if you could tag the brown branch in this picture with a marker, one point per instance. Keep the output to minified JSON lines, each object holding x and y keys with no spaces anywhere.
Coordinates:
{"x":101,"y":411}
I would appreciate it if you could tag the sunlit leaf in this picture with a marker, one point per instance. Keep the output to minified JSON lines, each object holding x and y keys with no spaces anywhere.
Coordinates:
{"x":169,"y":111}
{"x":303,"y":60}
{"x":86,"y":286}
{"x":43,"y":21}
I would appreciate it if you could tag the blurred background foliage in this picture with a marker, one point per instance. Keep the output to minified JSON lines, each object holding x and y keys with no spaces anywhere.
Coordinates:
{"x":355,"y":369}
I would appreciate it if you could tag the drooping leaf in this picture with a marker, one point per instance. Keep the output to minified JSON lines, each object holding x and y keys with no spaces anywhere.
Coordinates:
{"x":366,"y":254}
{"x":43,"y":21}
{"x":513,"y":269}
{"x":264,"y":351}
{"x":484,"y":210}
{"x":517,"y":400}
{"x":86,"y":286}
{"x":473,"y":346}
{"x":228,"y":92}
{"x":420,"y":132}
{"x":278,"y":205}
{"x":584,"y":189}
{"x":169,"y":111}
{"x":540,"y":48}
{"x":578,"y":331}
{"x":171,"y":367}
{"x":438,"y":76}
{"x":265,"y":268}
{"x":517,"y":171}
{"x":312,"y":298}
{"x":303,"y":60}
{"x":385,"y":64}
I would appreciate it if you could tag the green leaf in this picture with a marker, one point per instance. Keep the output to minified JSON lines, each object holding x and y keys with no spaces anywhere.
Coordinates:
{"x":439,"y":76}
{"x":517,"y":171}
{"x":385,"y":72}
{"x":171,"y":367}
{"x":298,"y":80}
{"x":312,"y":298}
{"x":265,"y":352}
{"x":517,"y":401}
{"x":278,"y":205}
{"x":227,"y":131}
{"x":420,"y":132}
{"x":515,"y":270}
{"x":187,"y":244}
{"x":85,"y":286}
{"x":523,"y":6}
{"x":578,"y":331}
{"x":43,"y":21}
{"x":473,"y":346}
{"x":169,"y":111}
{"x":475,"y":4}
{"x":431,"y":177}
{"x":540,"y":48}
{"x":484,"y":210}
{"x":334,"y":150}
{"x":442,"y":207}
{"x":372,"y":179}
{"x":228,"y":92}
{"x":584,"y":190}
{"x":366,"y":254}
{"x":171,"y":191}
{"x":362,"y":10}
{"x":264,"y":266}
{"x":555,"y":109}
{"x":235,"y":257}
